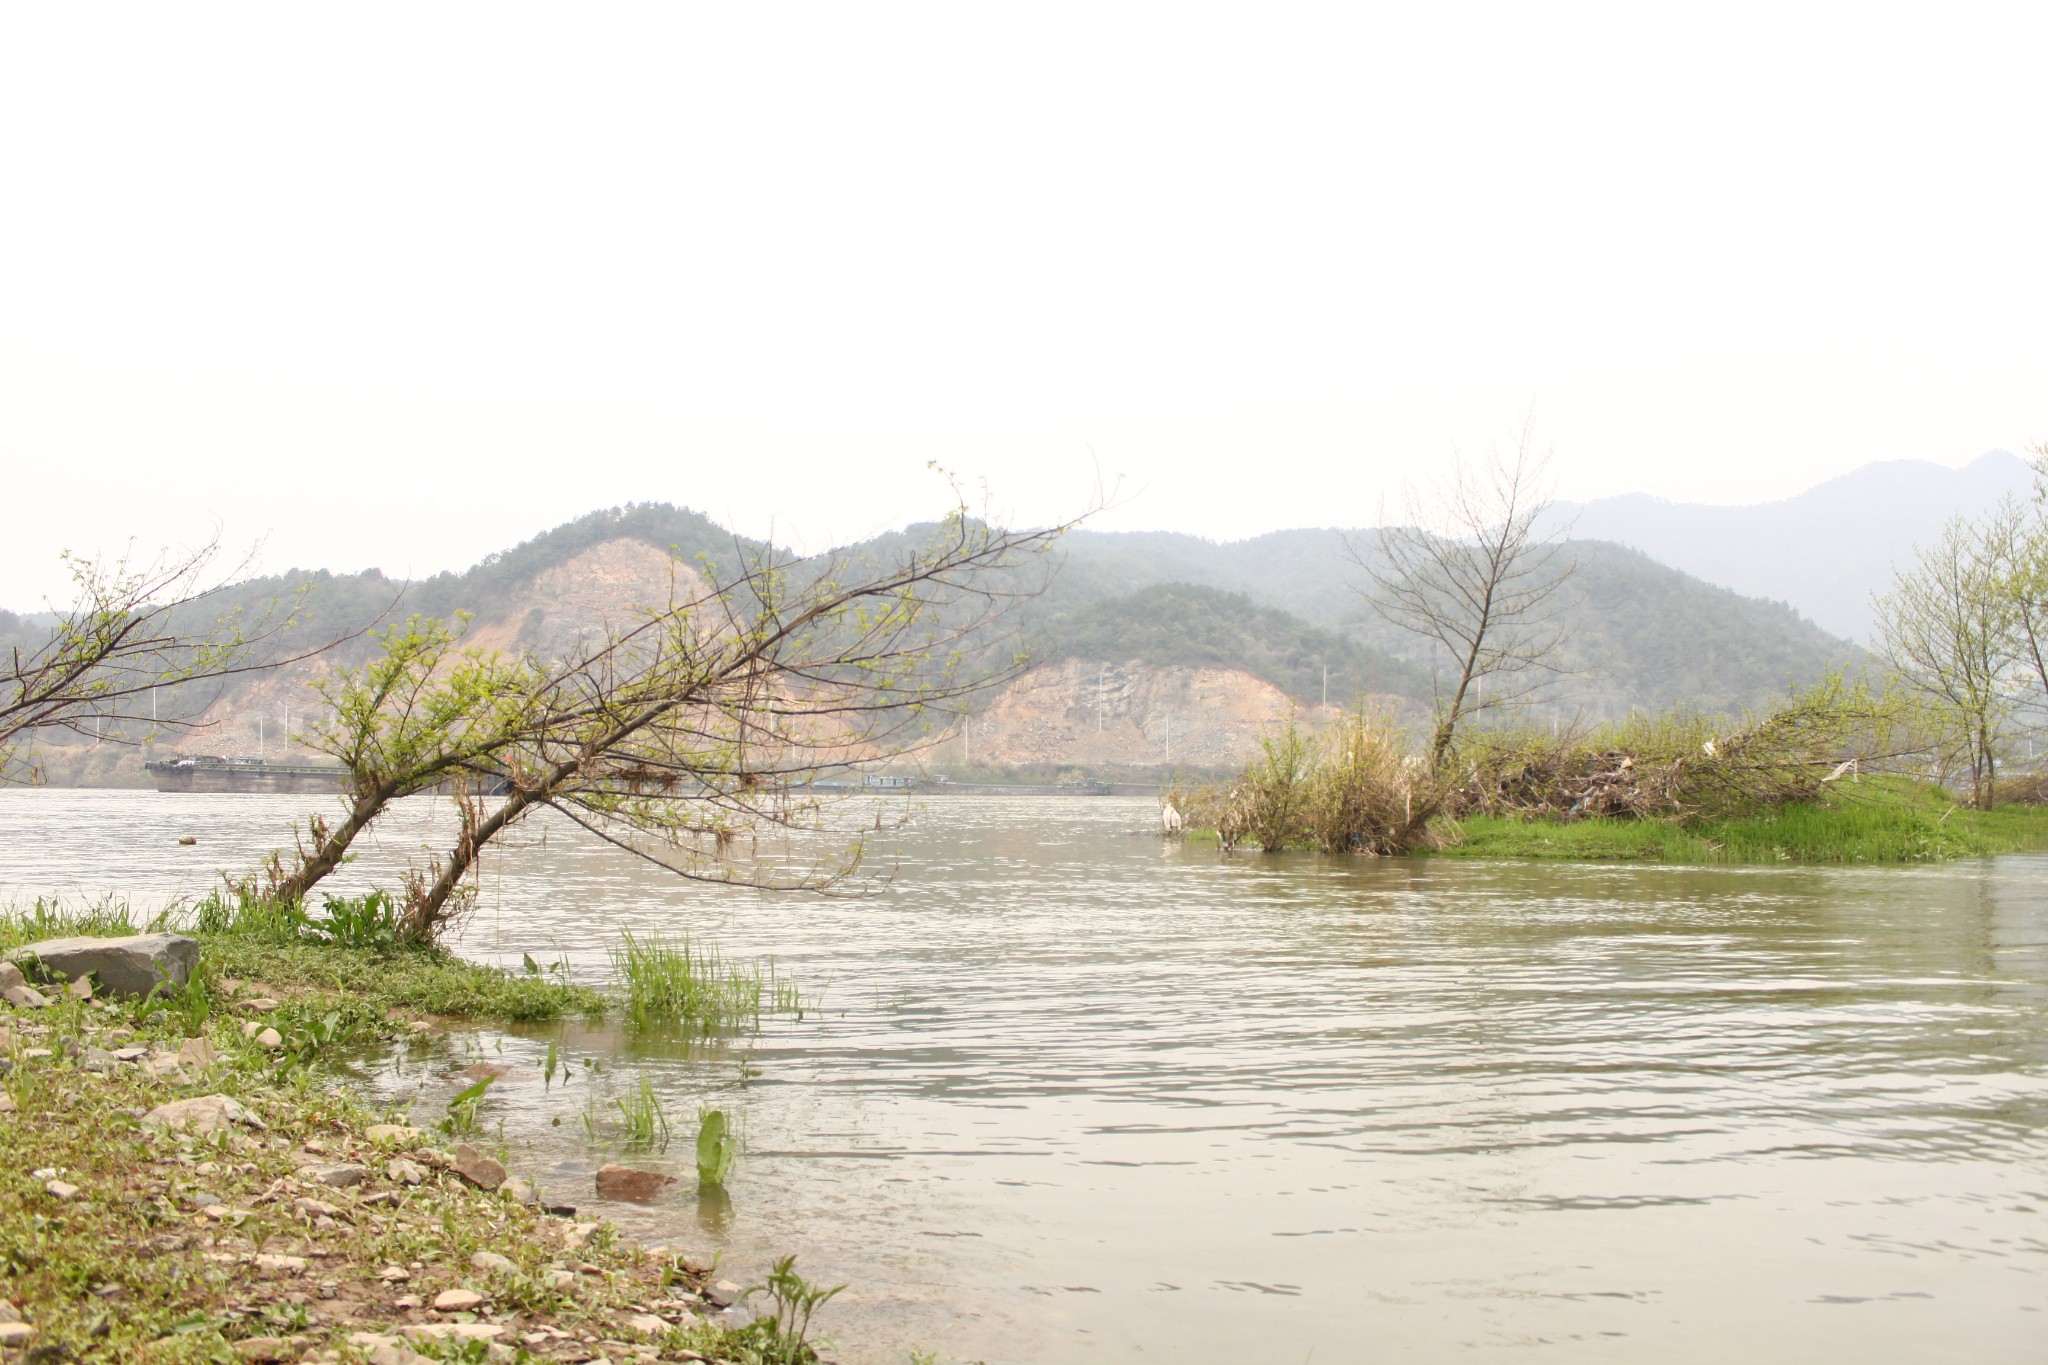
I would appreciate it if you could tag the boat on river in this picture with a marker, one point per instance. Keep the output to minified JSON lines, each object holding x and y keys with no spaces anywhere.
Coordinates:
{"x":213,"y":773}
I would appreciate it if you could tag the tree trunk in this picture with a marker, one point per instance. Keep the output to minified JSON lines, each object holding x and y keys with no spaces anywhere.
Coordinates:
{"x":426,"y":911}
{"x":333,"y":844}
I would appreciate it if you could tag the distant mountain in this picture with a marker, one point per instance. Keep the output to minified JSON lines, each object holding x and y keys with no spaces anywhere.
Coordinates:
{"x":1825,"y":551}
{"x":1642,"y":635}
{"x":1146,"y":647}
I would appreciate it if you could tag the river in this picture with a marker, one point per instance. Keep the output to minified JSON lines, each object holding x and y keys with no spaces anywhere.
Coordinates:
{"x":1076,"y":1095}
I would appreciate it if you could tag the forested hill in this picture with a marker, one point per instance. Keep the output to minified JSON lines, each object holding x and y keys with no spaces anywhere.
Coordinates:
{"x":1640,"y":634}
{"x":1170,"y":625}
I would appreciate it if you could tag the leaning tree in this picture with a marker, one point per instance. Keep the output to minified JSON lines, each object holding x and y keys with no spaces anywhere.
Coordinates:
{"x":695,"y":724}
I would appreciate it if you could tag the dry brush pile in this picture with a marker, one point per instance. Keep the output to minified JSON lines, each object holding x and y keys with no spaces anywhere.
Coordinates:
{"x":1678,"y":766}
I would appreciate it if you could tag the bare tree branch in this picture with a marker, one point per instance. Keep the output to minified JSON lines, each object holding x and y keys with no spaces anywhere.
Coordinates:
{"x":1473,"y":574}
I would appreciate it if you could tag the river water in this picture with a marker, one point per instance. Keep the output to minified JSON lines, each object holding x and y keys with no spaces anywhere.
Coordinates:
{"x":1076,"y":1095}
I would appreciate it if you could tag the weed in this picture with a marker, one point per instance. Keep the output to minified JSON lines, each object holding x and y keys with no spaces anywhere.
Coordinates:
{"x":50,"y":917}
{"x":307,"y":1035}
{"x":782,"y":1336}
{"x":191,"y":1005}
{"x":461,"y":1118}
{"x":646,"y":1126}
{"x":241,"y":912}
{"x":366,"y":921}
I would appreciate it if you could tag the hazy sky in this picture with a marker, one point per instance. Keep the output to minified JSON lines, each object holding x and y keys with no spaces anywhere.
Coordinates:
{"x":403,"y":284}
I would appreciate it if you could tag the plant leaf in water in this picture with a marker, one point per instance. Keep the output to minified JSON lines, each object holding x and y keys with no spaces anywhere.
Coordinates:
{"x":462,"y":1109}
{"x":716,"y":1149}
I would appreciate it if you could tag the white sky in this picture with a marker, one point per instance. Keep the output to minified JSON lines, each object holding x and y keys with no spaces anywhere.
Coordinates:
{"x":404,"y":284}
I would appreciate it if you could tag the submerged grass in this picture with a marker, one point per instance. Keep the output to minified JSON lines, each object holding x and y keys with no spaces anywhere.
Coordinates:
{"x":1880,"y":820}
{"x":675,"y":982}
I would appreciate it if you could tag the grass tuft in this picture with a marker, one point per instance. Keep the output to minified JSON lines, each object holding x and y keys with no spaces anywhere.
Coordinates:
{"x":676,"y":982}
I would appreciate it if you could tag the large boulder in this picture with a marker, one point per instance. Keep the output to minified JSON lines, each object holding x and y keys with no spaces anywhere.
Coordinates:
{"x":131,"y":966}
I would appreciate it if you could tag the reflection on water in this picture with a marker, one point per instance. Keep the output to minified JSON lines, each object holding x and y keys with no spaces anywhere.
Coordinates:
{"x":1077,"y":1097}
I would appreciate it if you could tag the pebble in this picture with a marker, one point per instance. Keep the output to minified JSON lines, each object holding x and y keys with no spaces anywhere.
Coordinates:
{"x":58,"y":1189}
{"x":15,"y":1333}
{"x":206,"y":1114}
{"x":197,"y":1051}
{"x":457,"y":1301}
{"x":405,"y":1172}
{"x":461,"y":1331}
{"x":647,"y":1325}
{"x":7,"y":1105}
{"x":316,"y":1207}
{"x":270,"y":1038}
{"x":262,"y":1004}
{"x":25,"y":997}
{"x":394,"y":1274}
{"x":395,"y":1354}
{"x":627,"y":1182}
{"x":561,"y":1281}
{"x":492,"y":1262}
{"x":281,"y":1265}
{"x":400,"y":1133}
{"x":486,"y":1173}
{"x":270,"y":1349}
{"x":341,"y":1177}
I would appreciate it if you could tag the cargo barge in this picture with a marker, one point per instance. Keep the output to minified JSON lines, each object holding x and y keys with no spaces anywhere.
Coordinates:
{"x":212,"y":773}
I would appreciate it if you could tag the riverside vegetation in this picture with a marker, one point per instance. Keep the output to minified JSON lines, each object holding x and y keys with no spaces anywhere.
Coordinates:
{"x":1828,"y":776}
{"x":301,"y":1223}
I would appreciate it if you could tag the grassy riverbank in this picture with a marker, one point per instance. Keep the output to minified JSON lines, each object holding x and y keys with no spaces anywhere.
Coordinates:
{"x":311,"y":1227}
{"x":1878,"y":821}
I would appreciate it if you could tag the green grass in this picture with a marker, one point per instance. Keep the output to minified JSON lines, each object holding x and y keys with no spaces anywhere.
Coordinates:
{"x":671,"y":983}
{"x":1876,"y":821}
{"x":256,"y":943}
{"x":406,"y":980}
